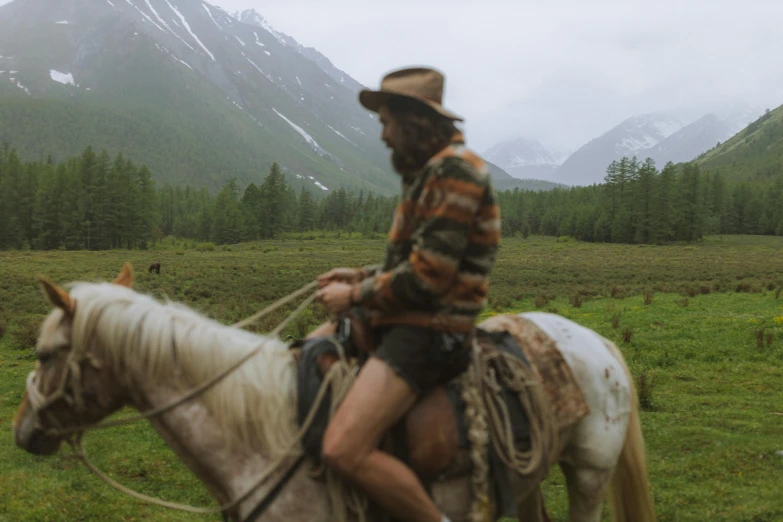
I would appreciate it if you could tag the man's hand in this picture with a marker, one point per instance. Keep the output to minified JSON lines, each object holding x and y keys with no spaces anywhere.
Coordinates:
{"x":336,"y":297}
{"x":339,"y":275}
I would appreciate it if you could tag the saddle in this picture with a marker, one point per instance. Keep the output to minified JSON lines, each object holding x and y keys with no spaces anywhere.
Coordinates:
{"x":432,"y":438}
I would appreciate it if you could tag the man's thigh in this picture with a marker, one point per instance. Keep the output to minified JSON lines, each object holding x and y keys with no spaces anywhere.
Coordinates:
{"x":375,"y":402}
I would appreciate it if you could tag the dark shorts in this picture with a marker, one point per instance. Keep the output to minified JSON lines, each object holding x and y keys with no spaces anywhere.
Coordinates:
{"x":424,"y":358}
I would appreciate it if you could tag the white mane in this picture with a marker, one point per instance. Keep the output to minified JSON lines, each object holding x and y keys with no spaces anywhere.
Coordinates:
{"x":171,"y":343}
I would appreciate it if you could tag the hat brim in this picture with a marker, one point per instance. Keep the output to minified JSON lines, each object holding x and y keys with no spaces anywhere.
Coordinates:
{"x":374,"y":100}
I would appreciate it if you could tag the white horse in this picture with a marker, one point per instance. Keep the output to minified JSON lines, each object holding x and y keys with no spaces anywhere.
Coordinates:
{"x":144,"y":354}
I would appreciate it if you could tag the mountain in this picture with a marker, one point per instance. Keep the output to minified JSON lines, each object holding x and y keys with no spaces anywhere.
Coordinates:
{"x":634,"y":135}
{"x":253,"y":17}
{"x":691,"y":140}
{"x":196,"y":94}
{"x":525,"y":158}
{"x":755,"y":153}
{"x":502,"y":180}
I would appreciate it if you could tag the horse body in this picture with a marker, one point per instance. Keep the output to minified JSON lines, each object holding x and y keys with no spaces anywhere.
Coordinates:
{"x":151,"y":353}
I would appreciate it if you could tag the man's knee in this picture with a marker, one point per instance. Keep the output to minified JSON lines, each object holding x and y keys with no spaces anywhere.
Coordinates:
{"x":339,"y":453}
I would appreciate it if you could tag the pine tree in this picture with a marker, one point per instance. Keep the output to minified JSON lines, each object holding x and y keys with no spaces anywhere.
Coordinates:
{"x":306,"y":218}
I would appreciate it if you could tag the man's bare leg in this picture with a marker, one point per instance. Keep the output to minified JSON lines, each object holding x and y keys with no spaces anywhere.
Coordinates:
{"x":376,"y":401}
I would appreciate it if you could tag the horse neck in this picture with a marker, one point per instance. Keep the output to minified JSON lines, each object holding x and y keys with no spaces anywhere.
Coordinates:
{"x":226,"y":467}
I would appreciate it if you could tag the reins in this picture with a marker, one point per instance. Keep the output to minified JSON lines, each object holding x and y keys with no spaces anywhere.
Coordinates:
{"x":72,"y":376}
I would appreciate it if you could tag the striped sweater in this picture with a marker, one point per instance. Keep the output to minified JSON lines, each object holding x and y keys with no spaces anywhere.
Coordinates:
{"x":442,"y":246}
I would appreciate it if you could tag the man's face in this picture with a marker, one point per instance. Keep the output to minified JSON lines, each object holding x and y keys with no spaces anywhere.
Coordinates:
{"x":393,"y":137}
{"x":389,"y":127}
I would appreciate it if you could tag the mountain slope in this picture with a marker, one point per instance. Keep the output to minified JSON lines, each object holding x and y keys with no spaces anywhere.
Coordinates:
{"x":182,"y":86}
{"x":501,"y":180}
{"x":525,"y":158}
{"x":755,"y":153}
{"x":691,"y":140}
{"x":588,"y":164}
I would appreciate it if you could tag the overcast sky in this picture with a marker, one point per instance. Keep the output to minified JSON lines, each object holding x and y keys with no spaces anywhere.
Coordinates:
{"x":560,"y":71}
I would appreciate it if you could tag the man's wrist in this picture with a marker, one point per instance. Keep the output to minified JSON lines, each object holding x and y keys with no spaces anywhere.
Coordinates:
{"x":355,"y":294}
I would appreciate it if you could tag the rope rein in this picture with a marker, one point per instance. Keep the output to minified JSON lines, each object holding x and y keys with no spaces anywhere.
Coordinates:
{"x":72,"y":376}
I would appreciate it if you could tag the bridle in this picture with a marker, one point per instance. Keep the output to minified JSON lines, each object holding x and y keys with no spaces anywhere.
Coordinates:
{"x":70,"y":391}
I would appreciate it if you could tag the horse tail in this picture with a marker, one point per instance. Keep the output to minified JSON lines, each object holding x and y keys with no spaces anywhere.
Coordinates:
{"x":629,"y":490}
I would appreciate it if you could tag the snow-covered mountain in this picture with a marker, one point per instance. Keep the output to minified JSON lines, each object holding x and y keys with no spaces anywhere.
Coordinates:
{"x":690,"y":141}
{"x":630,"y":138}
{"x":662,"y":137}
{"x":525,"y":158}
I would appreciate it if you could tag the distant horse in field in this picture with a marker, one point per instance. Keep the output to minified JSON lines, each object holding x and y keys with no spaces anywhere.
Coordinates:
{"x":154,"y":267}
{"x":105,"y":346}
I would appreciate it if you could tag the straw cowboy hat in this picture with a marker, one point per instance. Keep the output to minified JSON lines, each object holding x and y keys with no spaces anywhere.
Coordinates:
{"x":422,"y":84}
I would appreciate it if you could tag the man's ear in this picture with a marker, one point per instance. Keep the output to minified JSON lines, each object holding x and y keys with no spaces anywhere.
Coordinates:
{"x":126,"y":276}
{"x":57,"y":296}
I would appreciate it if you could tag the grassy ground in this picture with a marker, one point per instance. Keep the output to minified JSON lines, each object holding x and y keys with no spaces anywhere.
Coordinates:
{"x":713,"y":422}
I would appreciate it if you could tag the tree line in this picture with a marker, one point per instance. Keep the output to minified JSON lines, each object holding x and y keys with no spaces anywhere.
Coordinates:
{"x":95,"y":202}
{"x":638,"y":204}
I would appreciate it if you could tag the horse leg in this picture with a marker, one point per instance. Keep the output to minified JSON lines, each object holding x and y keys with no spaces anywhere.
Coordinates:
{"x":586,"y":491}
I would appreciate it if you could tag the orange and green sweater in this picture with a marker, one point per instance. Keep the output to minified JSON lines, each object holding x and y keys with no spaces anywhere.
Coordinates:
{"x":442,"y":246}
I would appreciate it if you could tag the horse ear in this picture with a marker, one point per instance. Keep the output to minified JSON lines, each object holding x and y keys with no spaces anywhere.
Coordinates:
{"x":126,"y":276}
{"x":57,"y":296}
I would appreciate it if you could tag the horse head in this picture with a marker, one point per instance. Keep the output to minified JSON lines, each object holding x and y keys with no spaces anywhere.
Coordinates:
{"x":70,"y":386}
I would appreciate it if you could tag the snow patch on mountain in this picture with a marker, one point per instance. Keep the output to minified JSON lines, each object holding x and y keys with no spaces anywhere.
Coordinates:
{"x":210,"y":16}
{"x":259,"y":70}
{"x":188,"y":29}
{"x":309,"y":139}
{"x":64,"y":78}
{"x":341,"y":135}
{"x":145,"y":15}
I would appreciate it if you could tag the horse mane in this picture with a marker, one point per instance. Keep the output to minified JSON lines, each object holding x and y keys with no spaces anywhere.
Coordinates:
{"x":169,"y":342}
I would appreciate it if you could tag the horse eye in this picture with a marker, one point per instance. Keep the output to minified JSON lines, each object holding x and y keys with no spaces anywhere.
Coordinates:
{"x":44,"y":357}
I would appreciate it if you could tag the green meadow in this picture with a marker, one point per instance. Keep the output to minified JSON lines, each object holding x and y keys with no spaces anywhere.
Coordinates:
{"x":700,"y":325}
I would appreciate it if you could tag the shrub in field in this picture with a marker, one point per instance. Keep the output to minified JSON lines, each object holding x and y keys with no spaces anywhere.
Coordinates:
{"x":649,"y":296}
{"x":777,"y":292}
{"x":617,"y":292}
{"x":3,"y":328}
{"x":645,"y":388}
{"x":744,"y":286}
{"x":760,"y":337}
{"x":205,"y":247}
{"x":692,"y":291}
{"x":627,"y":334}
{"x":540,"y":300}
{"x":576,"y":300}
{"x":684,"y":302}
{"x":615,"y":320}
{"x":770,"y":338}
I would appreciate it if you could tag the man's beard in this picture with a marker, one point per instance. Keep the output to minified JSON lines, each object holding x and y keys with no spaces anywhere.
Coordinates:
{"x":408,"y":160}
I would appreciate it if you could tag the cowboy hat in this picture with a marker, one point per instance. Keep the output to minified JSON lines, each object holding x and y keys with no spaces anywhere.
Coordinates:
{"x":422,"y":84}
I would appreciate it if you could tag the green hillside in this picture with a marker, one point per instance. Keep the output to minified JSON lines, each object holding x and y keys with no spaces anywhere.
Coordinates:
{"x":755,"y":154}
{"x":173,"y":121}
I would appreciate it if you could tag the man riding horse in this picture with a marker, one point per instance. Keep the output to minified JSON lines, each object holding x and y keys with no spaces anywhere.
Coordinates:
{"x":422,"y":303}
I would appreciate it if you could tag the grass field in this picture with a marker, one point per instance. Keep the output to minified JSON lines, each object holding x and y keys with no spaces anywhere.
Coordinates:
{"x":710,"y":341}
